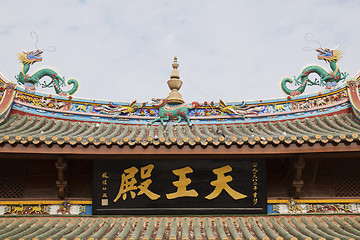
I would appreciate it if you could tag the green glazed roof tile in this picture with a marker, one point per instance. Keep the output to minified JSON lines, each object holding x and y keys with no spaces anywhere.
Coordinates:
{"x":325,"y":129}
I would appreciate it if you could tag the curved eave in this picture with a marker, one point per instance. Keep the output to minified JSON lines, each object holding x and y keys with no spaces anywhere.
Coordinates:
{"x":7,"y":100}
{"x":23,"y":133}
{"x":353,"y":93}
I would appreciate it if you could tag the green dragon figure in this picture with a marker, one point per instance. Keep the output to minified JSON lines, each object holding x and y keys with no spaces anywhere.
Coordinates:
{"x":166,"y":112}
{"x":29,"y":58}
{"x":330,"y":80}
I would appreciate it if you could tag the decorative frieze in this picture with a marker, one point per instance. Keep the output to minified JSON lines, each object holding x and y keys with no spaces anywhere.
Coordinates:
{"x":64,"y":208}
{"x":299,"y":207}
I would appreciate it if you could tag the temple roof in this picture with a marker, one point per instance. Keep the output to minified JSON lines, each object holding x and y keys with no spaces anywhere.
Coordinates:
{"x":29,"y":117}
{"x":34,"y":129}
{"x":268,"y":227}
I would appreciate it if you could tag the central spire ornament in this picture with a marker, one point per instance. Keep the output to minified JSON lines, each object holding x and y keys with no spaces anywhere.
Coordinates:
{"x":175,"y":84}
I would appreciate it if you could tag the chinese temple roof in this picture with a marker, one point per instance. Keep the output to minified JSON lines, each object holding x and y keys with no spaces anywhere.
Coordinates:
{"x":24,"y":129}
{"x":268,"y":227}
{"x":32,"y":118}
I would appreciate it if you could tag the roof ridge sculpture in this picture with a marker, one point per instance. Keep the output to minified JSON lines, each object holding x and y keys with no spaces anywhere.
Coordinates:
{"x":30,"y":81}
{"x":327,"y":79}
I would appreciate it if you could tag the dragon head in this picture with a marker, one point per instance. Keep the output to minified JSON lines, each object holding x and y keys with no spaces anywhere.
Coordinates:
{"x":329,"y":55}
{"x":30,"y":57}
{"x":157,"y":102}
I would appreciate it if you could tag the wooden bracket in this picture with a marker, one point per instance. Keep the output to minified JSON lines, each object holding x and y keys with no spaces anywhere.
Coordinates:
{"x":298,"y":182}
{"x":61,"y":183}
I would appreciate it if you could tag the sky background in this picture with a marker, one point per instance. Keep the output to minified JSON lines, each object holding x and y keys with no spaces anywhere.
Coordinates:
{"x":233,"y":50}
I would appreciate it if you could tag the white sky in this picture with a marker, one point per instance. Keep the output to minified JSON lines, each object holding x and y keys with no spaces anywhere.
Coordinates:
{"x":233,"y":50}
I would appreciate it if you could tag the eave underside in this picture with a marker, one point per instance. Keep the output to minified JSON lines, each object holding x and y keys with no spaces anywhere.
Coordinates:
{"x":222,"y":149}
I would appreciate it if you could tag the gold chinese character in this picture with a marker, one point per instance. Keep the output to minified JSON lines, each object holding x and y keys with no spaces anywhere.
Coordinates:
{"x":127,"y":183}
{"x":104,"y":195}
{"x":255,"y":200}
{"x":221,"y":184}
{"x":104,"y":175}
{"x":104,"y":182}
{"x":145,"y":172}
{"x":181,"y":184}
{"x":104,"y":188}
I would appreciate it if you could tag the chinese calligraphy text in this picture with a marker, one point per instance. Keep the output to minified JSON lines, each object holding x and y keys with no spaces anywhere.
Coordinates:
{"x":182,"y":186}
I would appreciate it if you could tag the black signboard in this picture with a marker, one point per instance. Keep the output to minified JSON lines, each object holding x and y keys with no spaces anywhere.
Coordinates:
{"x":195,"y":186}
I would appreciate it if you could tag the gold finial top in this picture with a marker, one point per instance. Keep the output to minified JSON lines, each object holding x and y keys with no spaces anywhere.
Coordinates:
{"x":175,"y":84}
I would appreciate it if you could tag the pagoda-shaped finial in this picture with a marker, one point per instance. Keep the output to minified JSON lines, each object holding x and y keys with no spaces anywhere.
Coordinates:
{"x":175,"y":72}
{"x":175,"y":84}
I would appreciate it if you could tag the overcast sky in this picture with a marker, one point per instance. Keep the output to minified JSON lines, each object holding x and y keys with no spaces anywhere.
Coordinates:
{"x":233,"y":50}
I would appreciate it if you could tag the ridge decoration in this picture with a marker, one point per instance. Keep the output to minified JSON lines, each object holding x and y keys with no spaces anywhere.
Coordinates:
{"x":166,"y":112}
{"x":28,"y":59}
{"x":327,"y":79}
{"x":239,"y":110}
{"x":116,"y":110}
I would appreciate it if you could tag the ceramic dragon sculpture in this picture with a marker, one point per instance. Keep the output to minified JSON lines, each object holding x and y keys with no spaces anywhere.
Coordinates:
{"x":28,"y":59}
{"x":240,"y":109}
{"x":327,"y":79}
{"x":166,"y":112}
{"x":116,"y":110}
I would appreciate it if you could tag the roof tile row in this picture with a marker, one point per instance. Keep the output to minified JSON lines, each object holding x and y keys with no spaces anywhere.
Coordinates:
{"x":26,"y":129}
{"x":91,"y":228}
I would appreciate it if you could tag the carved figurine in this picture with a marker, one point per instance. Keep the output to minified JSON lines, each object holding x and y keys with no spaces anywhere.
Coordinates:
{"x":178,"y":111}
{"x":227,"y":109}
{"x":116,"y":110}
{"x":64,"y":208}
{"x":239,"y":110}
{"x":29,"y":58}
{"x":330,"y":80}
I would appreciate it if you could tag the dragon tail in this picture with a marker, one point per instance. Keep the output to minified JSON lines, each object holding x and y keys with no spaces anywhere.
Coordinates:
{"x":75,"y":87}
{"x":294,"y":92}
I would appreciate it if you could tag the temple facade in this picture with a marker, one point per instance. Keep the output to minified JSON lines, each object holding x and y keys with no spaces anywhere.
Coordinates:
{"x":283,"y":168}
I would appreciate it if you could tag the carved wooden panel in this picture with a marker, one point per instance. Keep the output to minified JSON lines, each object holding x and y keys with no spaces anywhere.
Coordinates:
{"x":12,"y":178}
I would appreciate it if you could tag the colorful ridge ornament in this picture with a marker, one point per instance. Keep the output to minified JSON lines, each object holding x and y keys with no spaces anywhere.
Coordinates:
{"x":29,"y":58}
{"x":227,"y":109}
{"x":116,"y":110}
{"x":329,"y":80}
{"x":177,"y":111}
